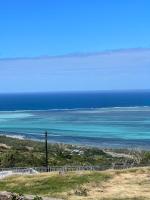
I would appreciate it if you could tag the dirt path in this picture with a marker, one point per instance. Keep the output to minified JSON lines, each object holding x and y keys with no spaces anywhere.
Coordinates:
{"x":118,"y":155}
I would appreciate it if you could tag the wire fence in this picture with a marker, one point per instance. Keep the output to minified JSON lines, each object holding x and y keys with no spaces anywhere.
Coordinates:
{"x":34,"y":170}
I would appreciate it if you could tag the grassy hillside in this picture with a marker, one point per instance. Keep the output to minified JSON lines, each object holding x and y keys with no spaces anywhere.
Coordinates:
{"x":26,"y":153}
{"x":130,"y":184}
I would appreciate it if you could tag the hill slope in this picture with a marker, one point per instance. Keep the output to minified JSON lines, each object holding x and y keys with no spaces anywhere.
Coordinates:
{"x":130,"y":184}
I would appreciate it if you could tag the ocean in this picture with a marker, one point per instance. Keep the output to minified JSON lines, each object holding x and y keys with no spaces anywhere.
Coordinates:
{"x":102,"y":119}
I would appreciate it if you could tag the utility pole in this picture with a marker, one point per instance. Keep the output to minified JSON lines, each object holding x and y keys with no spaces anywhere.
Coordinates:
{"x":46,"y":151}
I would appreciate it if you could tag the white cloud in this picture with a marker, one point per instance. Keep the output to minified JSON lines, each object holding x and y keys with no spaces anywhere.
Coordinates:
{"x":110,"y":70}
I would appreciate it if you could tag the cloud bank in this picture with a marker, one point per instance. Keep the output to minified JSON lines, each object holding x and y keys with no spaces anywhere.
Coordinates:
{"x":110,"y":70}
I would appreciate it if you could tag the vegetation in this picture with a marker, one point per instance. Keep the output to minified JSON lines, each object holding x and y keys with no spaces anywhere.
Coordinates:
{"x":108,"y":185}
{"x":75,"y":185}
{"x":48,"y":183}
{"x":27,"y":153}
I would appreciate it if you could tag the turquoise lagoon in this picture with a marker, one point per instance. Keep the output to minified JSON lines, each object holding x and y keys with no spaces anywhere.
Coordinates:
{"x":109,"y":127}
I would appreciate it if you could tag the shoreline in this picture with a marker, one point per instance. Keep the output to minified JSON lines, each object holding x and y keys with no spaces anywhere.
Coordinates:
{"x":101,"y":143}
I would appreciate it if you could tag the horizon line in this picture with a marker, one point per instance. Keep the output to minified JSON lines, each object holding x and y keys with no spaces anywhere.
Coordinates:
{"x":78,"y":91}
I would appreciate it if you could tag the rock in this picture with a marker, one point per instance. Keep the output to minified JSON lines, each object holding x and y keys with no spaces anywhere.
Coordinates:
{"x":4,"y":146}
{"x":5,"y":195}
{"x":9,"y":196}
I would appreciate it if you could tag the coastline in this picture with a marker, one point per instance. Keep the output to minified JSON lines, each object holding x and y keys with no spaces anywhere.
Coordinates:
{"x":101,"y":143}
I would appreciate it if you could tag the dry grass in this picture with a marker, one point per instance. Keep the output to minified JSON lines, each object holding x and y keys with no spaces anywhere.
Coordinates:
{"x":133,"y":184}
{"x":125,"y":185}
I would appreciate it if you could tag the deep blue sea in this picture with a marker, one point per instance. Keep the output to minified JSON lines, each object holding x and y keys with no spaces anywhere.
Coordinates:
{"x":103,"y":119}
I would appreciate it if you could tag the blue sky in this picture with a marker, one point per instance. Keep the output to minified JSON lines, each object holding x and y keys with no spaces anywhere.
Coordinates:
{"x":41,"y":28}
{"x":54,"y":27}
